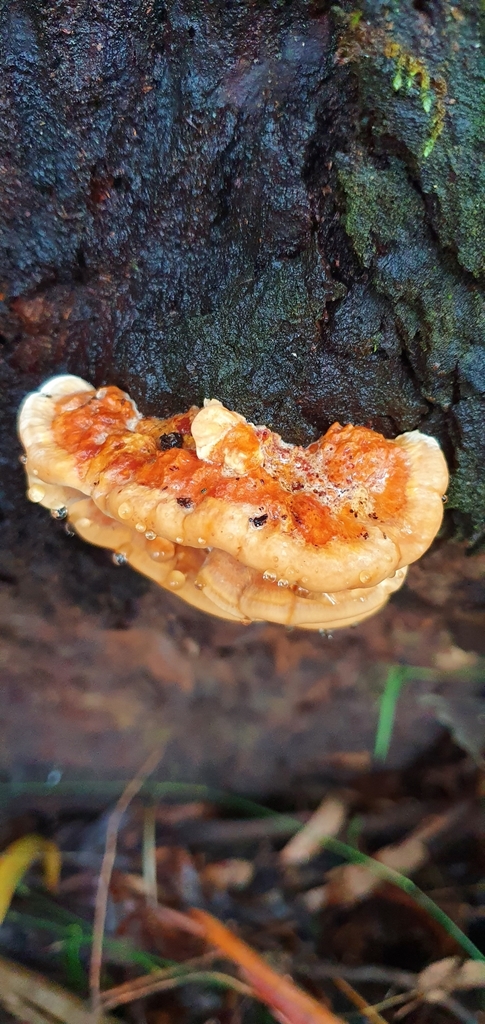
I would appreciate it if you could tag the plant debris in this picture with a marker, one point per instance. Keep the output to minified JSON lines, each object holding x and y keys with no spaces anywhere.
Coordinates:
{"x":375,"y":904}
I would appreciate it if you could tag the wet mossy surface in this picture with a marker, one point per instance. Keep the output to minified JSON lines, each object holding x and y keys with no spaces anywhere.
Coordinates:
{"x":279,"y":204}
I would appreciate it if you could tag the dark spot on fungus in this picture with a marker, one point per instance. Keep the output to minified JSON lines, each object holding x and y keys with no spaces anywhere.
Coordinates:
{"x":258,"y":521}
{"x":173,"y":440}
{"x":185,"y":502}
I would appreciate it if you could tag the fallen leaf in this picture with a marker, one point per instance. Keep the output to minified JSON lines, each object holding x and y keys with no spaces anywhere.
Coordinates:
{"x":327,"y":820}
{"x":438,"y":980}
{"x":315,"y":899}
{"x":233,"y":873}
{"x":352,"y":882}
{"x":17,"y":859}
{"x":35,"y":1000}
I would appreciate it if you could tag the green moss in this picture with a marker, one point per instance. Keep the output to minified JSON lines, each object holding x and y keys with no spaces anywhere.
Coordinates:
{"x":416,"y":220}
{"x":409,"y":69}
{"x":440,"y":316}
{"x":411,"y":73}
{"x":442,"y":66}
{"x":467,"y":491}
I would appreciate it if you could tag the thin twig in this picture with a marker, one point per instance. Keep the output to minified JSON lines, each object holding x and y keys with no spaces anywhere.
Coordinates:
{"x":155,"y":982}
{"x":365,"y":973}
{"x":357,"y":1000}
{"x":376,"y":974}
{"x":112,"y":996}
{"x":392,"y":1001}
{"x":104,"y":880}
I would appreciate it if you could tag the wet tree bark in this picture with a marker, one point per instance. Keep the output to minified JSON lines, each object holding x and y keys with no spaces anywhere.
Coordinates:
{"x":279,"y":204}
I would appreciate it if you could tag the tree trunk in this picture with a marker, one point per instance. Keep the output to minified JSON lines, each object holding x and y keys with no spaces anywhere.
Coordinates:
{"x":277,"y":203}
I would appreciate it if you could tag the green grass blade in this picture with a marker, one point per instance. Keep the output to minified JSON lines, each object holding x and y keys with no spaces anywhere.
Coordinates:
{"x":396,"y":676}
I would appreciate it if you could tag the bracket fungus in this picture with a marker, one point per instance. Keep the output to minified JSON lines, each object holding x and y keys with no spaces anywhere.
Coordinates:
{"x":226,"y":514}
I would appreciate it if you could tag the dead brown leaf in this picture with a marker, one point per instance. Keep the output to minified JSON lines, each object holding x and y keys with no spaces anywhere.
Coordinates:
{"x":327,"y":820}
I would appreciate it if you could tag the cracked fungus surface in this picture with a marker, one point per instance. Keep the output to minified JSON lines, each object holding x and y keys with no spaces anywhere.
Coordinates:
{"x":225,"y":513}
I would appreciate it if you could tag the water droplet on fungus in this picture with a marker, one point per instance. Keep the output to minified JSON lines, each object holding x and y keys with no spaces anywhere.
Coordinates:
{"x":83,"y":523}
{"x":364,"y":577}
{"x":176,"y":579}
{"x":140,"y":527}
{"x":269,"y":576}
{"x":125,"y":510}
{"x":118,"y":558}
{"x":160,"y":550}
{"x":59,"y":513}
{"x":35,"y":493}
{"x":150,"y":535}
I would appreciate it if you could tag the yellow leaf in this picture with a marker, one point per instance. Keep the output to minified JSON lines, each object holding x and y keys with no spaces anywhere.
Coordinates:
{"x":17,"y":859}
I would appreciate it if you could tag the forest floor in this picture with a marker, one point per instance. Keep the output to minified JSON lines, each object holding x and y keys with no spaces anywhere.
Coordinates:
{"x":306,"y":842}
{"x":176,"y":903}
